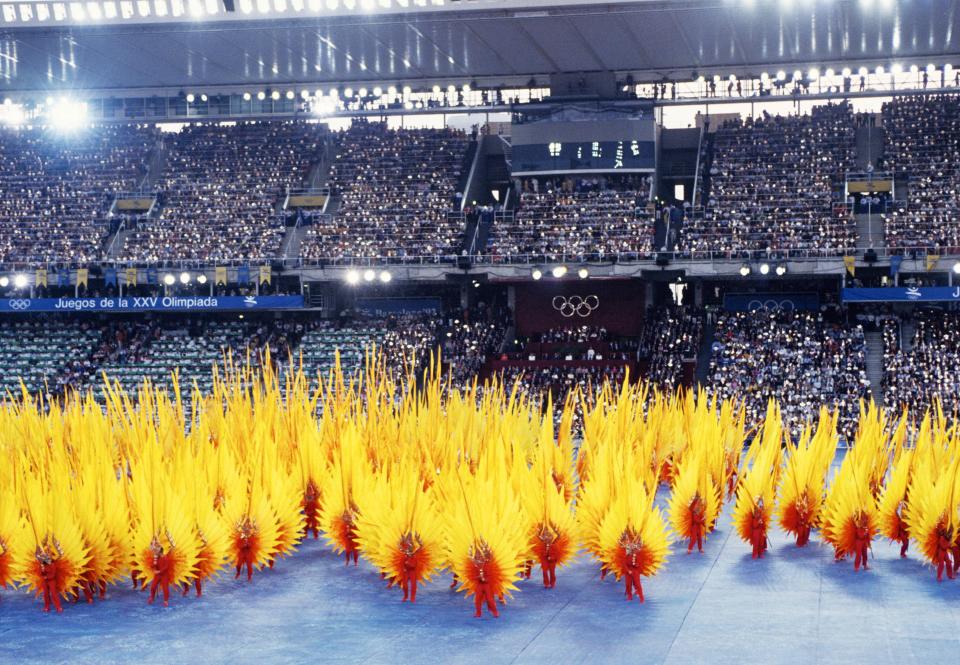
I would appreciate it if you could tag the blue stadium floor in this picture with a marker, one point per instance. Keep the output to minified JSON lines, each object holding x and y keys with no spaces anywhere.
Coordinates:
{"x":795,"y":606}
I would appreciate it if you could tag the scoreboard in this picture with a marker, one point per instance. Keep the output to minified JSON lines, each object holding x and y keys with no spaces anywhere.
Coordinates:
{"x":584,"y":137}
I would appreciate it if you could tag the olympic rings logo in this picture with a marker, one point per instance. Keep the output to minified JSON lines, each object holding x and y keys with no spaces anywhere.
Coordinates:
{"x":582,"y":306}
{"x":19,"y":304}
{"x":772,"y":305}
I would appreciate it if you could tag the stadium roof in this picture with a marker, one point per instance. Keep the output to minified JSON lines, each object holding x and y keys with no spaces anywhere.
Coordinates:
{"x":501,"y":41}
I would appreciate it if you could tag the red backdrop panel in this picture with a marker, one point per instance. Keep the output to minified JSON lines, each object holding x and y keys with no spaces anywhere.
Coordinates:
{"x":617,"y":305}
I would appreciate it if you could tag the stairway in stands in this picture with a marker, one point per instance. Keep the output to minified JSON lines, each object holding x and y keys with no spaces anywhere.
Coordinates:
{"x":874,"y":339}
{"x":706,"y":348}
{"x":869,"y":230}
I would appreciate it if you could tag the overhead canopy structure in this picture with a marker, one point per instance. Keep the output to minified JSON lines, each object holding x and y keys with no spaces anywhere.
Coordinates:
{"x":456,"y":41}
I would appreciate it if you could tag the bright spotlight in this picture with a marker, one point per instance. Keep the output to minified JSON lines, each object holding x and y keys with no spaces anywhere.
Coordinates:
{"x":781,"y":269}
{"x":781,"y":75}
{"x":559,"y":271}
{"x":536,"y":274}
{"x":369,"y":275}
{"x":956,"y":268}
{"x":897,"y":68}
{"x":190,"y":98}
{"x":275,"y":95}
{"x":846,"y":71}
{"x":353,"y":277}
{"x":764,"y":268}
{"x":19,"y":281}
{"x":813,"y":74}
{"x":583,"y":273}
{"x":744,"y":270}
{"x":4,"y":282}
{"x":169,"y":279}
{"x":67,"y":114}
{"x":246,"y":96}
{"x":201,"y":279}
{"x":289,"y":94}
{"x":184,"y":278}
{"x":863,"y":71}
{"x":385,"y":276}
{"x":879,"y":70}
{"x":261,"y":95}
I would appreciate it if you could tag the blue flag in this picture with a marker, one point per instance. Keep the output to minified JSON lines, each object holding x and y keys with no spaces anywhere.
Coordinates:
{"x":110,"y":276}
{"x":895,"y":262}
{"x":243,"y":274}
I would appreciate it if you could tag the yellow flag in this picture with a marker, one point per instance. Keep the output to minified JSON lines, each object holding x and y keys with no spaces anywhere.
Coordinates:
{"x":849,"y":262}
{"x":131,"y":276}
{"x":221,"y":276}
{"x":932,"y":260}
{"x":265,"y":275}
{"x":41,"y":277}
{"x":83,"y":275}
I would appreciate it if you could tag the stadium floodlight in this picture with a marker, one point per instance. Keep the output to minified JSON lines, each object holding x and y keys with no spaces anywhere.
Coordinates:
{"x":203,"y":97}
{"x":348,"y":92}
{"x":583,"y":273}
{"x":66,"y":114}
{"x":190,"y":98}
{"x":392,"y":91}
{"x":314,"y":5}
{"x":956,"y":268}
{"x":536,"y":274}
{"x":407,"y":90}
{"x":261,"y":95}
{"x":377,"y":91}
{"x":829,"y":73}
{"x":289,"y":94}
{"x":879,"y":70}
{"x":896,"y":68}
{"x":846,"y":72}
{"x":201,"y":279}
{"x":813,"y":74}
{"x":275,"y":95}
{"x":781,"y":269}
{"x":184,"y":278}
{"x":436,"y":89}
{"x":169,"y":279}
{"x":246,"y":96}
{"x":914,"y":69}
{"x":797,"y":75}
{"x":362,"y":92}
{"x":4,"y":282}
{"x":931,"y":68}
{"x":764,"y":268}
{"x":385,"y":276}
{"x":304,"y":95}
{"x":863,"y":71}
{"x":353,"y":277}
{"x":19,"y":281}
{"x":559,"y":271}
{"x":744,"y":270}
{"x":781,"y":75}
{"x":369,"y":275}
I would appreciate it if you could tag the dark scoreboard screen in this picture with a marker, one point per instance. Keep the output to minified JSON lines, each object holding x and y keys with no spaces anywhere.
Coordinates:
{"x":630,"y":155}
{"x":571,"y":137}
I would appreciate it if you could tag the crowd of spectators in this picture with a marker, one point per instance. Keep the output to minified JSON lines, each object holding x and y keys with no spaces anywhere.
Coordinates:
{"x":923,"y":142}
{"x":670,"y":336}
{"x":771,"y":185}
{"x":221,"y":188}
{"x":929,"y":368}
{"x":798,"y":358}
{"x":472,"y":336}
{"x":577,"y":219}
{"x":56,"y":190}
{"x":397,"y":191}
